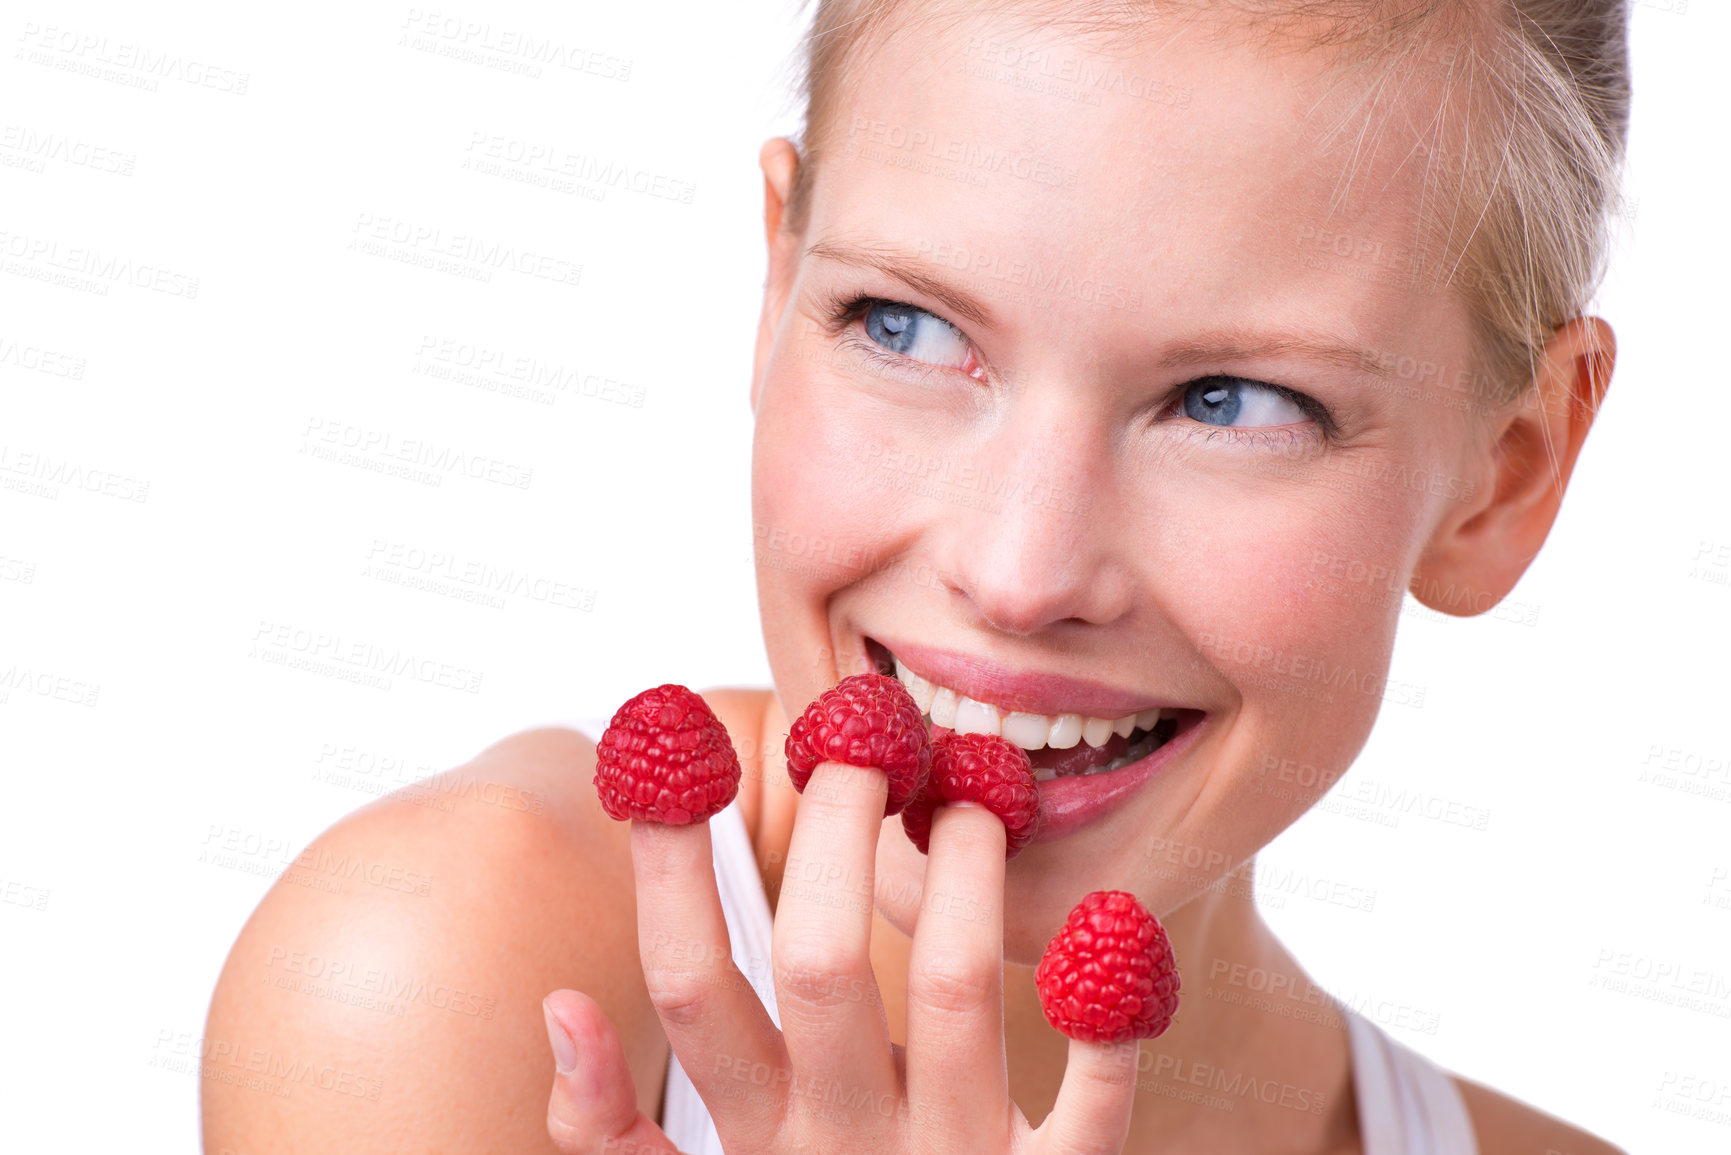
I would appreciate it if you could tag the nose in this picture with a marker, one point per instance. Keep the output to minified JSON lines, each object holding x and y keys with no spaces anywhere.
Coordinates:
{"x":1048,"y":549}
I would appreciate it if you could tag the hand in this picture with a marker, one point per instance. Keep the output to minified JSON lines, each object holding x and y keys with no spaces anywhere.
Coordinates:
{"x":830,"y":1080}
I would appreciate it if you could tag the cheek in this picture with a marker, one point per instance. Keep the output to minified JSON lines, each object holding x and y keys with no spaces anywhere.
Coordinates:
{"x":1269,"y":627}
{"x":814,"y":453}
{"x":812,"y":535}
{"x":1293,"y":600}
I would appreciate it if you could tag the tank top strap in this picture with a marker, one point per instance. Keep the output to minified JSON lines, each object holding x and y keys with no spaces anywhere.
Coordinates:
{"x":1407,"y":1105}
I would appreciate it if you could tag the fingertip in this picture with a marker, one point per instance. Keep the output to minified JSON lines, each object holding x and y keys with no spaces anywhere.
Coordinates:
{"x":594,"y":1101}
{"x":968,"y":828}
{"x":668,"y":854}
{"x":559,"y":1038}
{"x":842,"y":780}
{"x":593,"y":1078}
{"x":580,"y":1018}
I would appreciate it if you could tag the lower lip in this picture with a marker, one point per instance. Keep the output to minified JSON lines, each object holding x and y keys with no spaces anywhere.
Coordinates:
{"x":1070,"y":803}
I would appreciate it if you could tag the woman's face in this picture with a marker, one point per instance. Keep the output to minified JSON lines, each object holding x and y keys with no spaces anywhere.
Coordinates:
{"x":1103,"y":368}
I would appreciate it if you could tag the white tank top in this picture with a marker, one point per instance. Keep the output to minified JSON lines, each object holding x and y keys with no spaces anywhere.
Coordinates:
{"x":1407,"y":1105}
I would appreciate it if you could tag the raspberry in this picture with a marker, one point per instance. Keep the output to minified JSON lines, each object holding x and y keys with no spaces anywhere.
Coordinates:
{"x":865,"y":720}
{"x":1108,"y":975}
{"x":979,"y":768}
{"x":665,"y":757}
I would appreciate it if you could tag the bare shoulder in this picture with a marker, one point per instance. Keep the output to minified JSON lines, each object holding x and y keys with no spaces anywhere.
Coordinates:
{"x":386,"y":992}
{"x":1507,"y":1126}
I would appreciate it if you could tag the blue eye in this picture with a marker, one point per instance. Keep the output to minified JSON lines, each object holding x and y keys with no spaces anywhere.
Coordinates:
{"x":918,"y":335}
{"x":1237,"y":403}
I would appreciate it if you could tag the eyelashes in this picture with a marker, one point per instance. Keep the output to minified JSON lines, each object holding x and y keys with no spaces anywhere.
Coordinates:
{"x":1195,"y":403}
{"x":845,"y":320}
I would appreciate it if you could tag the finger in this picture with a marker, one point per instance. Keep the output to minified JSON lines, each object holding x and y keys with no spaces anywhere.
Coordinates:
{"x":1092,"y":1113}
{"x":956,"y":1066}
{"x":594,"y":1103}
{"x":832,"y":1015}
{"x":713,"y":1019}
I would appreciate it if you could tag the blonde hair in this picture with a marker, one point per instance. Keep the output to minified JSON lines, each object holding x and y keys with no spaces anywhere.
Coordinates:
{"x":1534,"y":157}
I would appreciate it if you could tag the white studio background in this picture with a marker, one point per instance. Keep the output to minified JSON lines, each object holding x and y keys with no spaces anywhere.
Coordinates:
{"x":1536,"y":837}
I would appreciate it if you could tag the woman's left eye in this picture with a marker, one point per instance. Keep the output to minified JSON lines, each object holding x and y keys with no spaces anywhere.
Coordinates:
{"x":918,"y":335}
{"x":1237,"y":403}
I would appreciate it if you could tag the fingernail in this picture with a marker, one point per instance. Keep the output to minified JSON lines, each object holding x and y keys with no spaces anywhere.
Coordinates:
{"x":564,"y":1050}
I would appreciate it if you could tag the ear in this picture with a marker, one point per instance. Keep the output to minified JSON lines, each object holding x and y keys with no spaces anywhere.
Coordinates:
{"x":1481,"y":549}
{"x":780,"y":163}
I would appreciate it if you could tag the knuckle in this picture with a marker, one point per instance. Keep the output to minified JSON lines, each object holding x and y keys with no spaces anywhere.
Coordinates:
{"x":820,"y":976}
{"x":678,"y":996}
{"x":810,"y":954}
{"x":953,"y":982}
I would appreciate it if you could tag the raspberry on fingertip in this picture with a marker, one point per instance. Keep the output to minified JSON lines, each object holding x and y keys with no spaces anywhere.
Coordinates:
{"x":867,"y":720}
{"x":666,"y":757}
{"x":1108,"y":975}
{"x":981,"y":768}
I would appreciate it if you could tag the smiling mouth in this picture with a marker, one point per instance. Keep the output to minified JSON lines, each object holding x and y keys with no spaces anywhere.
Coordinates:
{"x":1061,"y":745}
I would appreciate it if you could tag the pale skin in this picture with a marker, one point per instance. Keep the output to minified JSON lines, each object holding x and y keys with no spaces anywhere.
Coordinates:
{"x":1196,"y":548}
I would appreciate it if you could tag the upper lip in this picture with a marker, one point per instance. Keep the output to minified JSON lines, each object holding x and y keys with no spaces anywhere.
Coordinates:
{"x":1025,"y":691}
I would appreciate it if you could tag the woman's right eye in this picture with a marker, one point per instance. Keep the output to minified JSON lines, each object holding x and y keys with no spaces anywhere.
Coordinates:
{"x":918,"y":335}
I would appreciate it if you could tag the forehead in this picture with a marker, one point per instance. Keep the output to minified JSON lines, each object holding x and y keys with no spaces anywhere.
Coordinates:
{"x":1193,"y":171}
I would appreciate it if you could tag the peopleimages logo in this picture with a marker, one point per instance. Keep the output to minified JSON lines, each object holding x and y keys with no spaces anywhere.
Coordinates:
{"x":44,"y":254}
{"x":277,"y":643}
{"x":137,"y":65}
{"x":967,"y":155}
{"x":469,"y":255}
{"x":1036,"y":278}
{"x":496,"y":370}
{"x":327,"y":438}
{"x":505,"y":48}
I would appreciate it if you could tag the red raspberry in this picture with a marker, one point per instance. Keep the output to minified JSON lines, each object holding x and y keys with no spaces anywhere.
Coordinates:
{"x":665,"y":757}
{"x":1108,"y":975}
{"x":865,"y":720}
{"x":979,"y":768}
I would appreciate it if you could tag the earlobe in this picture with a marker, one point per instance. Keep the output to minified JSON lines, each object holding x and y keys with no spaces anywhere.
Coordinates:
{"x":1480,"y":550}
{"x":780,"y":163}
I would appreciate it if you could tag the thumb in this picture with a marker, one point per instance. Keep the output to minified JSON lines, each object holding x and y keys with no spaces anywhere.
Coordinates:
{"x":593,"y":1107}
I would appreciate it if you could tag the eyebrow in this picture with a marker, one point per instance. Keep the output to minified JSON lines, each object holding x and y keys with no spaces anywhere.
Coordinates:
{"x":1213,"y":346}
{"x":1217,"y":346}
{"x":909,"y":271}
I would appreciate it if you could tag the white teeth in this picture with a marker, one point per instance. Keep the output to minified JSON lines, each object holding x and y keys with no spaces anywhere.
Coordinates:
{"x":1029,"y":731}
{"x":965,"y":715}
{"x":1066,"y":731}
{"x":943,"y":708}
{"x":921,"y":689}
{"x":977,"y":717}
{"x":1095,"y":731}
{"x":1143,"y":747}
